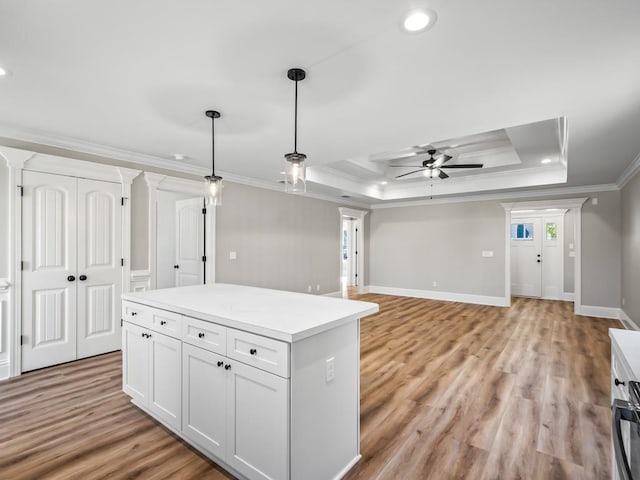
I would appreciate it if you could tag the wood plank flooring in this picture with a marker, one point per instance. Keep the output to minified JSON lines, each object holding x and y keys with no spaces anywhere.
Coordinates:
{"x":448,"y":391}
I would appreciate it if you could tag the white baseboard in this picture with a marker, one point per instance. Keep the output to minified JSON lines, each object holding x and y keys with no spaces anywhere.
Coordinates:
{"x":600,"y":312}
{"x":627,"y":322}
{"x":568,"y":296}
{"x":4,"y":370}
{"x":446,"y":296}
{"x":333,"y":294}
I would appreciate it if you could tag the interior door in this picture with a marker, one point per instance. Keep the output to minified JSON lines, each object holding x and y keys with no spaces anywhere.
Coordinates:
{"x":526,"y":256}
{"x":99,"y":270}
{"x":49,"y":235}
{"x":189,"y":242}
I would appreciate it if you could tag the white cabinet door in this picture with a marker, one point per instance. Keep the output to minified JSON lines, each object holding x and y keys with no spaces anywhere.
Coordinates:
{"x":165,"y":392}
{"x":257,"y":428}
{"x":49,"y":272}
{"x":189,"y":242}
{"x":204,"y":399}
{"x":99,"y":276}
{"x":135,"y":362}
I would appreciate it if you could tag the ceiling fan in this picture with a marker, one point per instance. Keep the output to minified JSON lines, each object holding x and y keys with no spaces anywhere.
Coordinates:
{"x":433,"y":165}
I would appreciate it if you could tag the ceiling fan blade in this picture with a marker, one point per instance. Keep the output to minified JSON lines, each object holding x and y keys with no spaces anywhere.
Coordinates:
{"x":443,"y":175}
{"x":406,"y":166}
{"x":464,"y":165}
{"x":405,"y":174}
{"x":444,"y":158}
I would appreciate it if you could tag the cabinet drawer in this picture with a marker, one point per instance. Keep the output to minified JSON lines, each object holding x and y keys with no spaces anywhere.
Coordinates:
{"x":165,"y":322}
{"x":136,"y":314}
{"x":261,"y":352}
{"x":207,"y":335}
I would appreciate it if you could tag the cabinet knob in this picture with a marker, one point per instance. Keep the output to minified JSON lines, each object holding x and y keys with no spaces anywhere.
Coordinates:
{"x":82,"y":278}
{"x":176,"y":266}
{"x":227,"y":367}
{"x":201,"y":335}
{"x":133,"y":314}
{"x":163,"y":322}
{"x":253,"y":351}
{"x":71,"y":278}
{"x":618,"y":382}
{"x":539,"y":261}
{"x":143,"y":335}
{"x":220,"y":363}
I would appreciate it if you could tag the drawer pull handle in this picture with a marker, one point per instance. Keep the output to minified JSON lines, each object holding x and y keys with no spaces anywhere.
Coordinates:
{"x":201,"y":335}
{"x":133,"y":314}
{"x":253,"y":351}
{"x":163,"y":322}
{"x":618,"y":383}
{"x":144,"y":335}
{"x":220,"y":363}
{"x":227,"y":367}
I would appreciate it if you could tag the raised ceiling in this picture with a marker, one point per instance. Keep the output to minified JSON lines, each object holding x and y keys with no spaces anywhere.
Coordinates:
{"x":132,"y":80}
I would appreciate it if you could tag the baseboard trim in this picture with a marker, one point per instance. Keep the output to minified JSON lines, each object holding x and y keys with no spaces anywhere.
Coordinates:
{"x":600,"y":312}
{"x":568,"y":296}
{"x":627,"y":322}
{"x":337,"y":294}
{"x":4,"y":370}
{"x":446,"y":296}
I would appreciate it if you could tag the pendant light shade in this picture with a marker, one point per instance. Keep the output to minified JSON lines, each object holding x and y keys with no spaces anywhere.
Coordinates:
{"x":213,"y":183}
{"x":295,"y":180}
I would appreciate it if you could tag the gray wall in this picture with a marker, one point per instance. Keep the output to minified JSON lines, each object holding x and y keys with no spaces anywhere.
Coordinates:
{"x":631,"y":248}
{"x":282,"y":241}
{"x":411,"y":247}
{"x":139,"y":224}
{"x":5,"y":231}
{"x":602,"y":250}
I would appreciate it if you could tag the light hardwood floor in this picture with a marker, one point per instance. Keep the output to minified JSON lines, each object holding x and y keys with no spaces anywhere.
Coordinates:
{"x":448,"y":391}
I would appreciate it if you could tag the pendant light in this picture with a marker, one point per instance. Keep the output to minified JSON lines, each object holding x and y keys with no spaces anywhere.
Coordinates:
{"x":295,"y":168}
{"x":213,"y":183}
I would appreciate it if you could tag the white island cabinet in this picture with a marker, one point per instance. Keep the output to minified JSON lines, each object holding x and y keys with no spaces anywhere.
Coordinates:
{"x":264,"y":382}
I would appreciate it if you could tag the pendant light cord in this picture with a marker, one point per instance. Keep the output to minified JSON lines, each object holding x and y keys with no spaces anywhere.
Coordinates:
{"x":295,"y":123}
{"x":213,"y":148}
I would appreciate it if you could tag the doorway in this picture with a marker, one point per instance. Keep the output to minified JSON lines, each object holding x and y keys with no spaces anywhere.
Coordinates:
{"x":349,"y":270}
{"x":537,"y":254}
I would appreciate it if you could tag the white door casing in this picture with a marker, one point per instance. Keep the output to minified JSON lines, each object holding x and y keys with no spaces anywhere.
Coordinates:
{"x":189,"y":242}
{"x":49,"y":256}
{"x":99,"y":254}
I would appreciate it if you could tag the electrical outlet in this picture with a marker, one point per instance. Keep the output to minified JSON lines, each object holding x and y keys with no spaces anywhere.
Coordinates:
{"x":594,"y":201}
{"x":435,"y":284}
{"x":330,"y":369}
{"x":623,"y":301}
{"x":487,"y":253}
{"x":233,"y":255}
{"x":309,"y":289}
{"x":317,"y":287}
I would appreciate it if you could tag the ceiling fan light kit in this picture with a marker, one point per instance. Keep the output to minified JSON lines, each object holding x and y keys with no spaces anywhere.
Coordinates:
{"x":432,"y":167}
{"x":295,"y":180}
{"x":213,"y":182}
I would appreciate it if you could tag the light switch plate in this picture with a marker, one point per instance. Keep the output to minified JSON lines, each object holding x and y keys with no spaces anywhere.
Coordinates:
{"x":487,"y":253}
{"x":232,"y":255}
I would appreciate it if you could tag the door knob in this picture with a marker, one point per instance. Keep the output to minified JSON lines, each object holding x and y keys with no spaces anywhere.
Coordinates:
{"x":539,"y":261}
{"x":200,"y":335}
{"x":220,"y":363}
{"x":538,"y":255}
{"x":71,"y":278}
{"x":227,"y":367}
{"x":176,"y":266}
{"x":82,"y":278}
{"x":253,"y":351}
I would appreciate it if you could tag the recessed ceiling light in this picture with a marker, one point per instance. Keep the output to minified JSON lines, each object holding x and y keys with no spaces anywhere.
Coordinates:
{"x":384,"y":182}
{"x":179,"y":156}
{"x":3,"y":72}
{"x":419,"y":20}
{"x":545,"y":160}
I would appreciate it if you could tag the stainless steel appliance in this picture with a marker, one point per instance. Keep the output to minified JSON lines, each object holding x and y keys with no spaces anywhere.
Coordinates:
{"x":625,"y":430}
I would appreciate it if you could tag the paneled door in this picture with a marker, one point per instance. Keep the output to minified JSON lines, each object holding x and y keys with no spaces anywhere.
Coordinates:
{"x":49,"y":244}
{"x":189,"y":242}
{"x":526,"y":257}
{"x":72,"y":280}
{"x":99,"y":270}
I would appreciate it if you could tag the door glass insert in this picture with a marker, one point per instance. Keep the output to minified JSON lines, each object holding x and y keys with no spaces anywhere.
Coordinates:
{"x":552,"y":231}
{"x":522,"y":231}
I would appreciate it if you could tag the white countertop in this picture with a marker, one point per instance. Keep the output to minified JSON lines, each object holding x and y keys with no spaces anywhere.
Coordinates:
{"x":628,"y":343}
{"x":277,"y":314}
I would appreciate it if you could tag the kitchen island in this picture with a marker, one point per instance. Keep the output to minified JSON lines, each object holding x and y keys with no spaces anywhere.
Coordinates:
{"x":264,"y":382}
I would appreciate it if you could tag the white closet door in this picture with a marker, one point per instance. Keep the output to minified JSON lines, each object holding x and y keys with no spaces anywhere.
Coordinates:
{"x":99,"y":270}
{"x":189,"y":242}
{"x":49,"y":270}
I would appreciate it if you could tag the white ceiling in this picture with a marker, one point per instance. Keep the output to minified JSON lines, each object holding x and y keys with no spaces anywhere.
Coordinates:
{"x":132,"y":80}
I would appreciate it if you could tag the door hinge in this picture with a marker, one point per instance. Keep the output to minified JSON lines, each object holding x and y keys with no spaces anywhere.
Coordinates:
{"x":204,"y":258}
{"x":122,"y":262}
{"x":122,"y":201}
{"x":21,"y":190}
{"x":22,"y":339}
{"x":121,"y":322}
{"x":21,"y":265}
{"x":204,"y":211}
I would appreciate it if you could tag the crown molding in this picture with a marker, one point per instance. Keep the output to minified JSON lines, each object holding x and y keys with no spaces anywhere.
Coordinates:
{"x":503,"y":196}
{"x":68,"y":143}
{"x":629,"y":172}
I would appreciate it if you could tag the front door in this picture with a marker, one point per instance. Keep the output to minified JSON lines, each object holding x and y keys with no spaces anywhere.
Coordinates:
{"x":526,"y":257}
